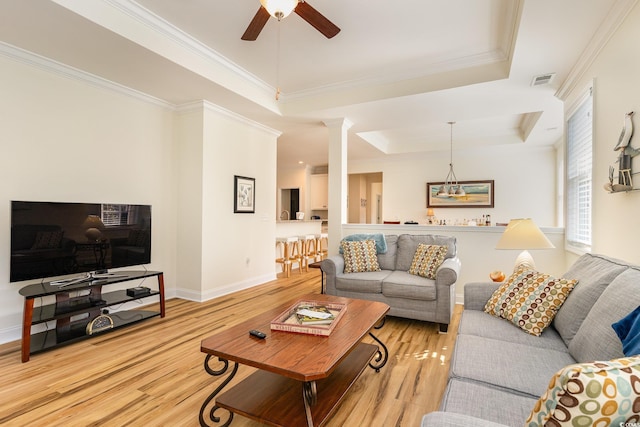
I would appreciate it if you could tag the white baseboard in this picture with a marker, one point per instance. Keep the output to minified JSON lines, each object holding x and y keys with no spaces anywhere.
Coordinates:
{"x":192,"y":295}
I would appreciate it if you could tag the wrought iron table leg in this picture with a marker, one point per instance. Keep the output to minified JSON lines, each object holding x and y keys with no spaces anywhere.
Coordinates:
{"x":310,"y":397}
{"x":381,"y":356}
{"x":216,"y":372}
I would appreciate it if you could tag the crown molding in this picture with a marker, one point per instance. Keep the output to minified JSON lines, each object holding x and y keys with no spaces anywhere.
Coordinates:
{"x":443,"y":66}
{"x":607,"y":29}
{"x":57,"y":68}
{"x":48,"y":65}
{"x":186,"y":41}
{"x":201,"y":105}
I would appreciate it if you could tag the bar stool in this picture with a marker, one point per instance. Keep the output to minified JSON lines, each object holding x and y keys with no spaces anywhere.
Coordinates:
{"x":308,"y":243}
{"x":285,"y":245}
{"x":295,"y":254}
{"x":322,"y":251}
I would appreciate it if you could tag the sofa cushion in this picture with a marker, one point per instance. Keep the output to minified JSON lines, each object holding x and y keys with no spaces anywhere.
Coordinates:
{"x":359,"y":256}
{"x":408,"y":243}
{"x":381,"y":243}
{"x":516,"y":367}
{"x":594,"y":273}
{"x":387,"y":260}
{"x":368,"y":282}
{"x":589,"y":394}
{"x":427,"y":259}
{"x":401,"y":284}
{"x":486,"y":403}
{"x":596,"y":339}
{"x":481,"y":324}
{"x":628,"y":330}
{"x":530,"y":299}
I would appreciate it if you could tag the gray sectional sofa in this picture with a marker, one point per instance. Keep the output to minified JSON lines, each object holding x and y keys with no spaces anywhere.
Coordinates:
{"x":408,"y":295}
{"x":498,"y":371}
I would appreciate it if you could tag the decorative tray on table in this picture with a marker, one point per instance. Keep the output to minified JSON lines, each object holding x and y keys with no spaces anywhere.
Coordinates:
{"x":310,"y":317}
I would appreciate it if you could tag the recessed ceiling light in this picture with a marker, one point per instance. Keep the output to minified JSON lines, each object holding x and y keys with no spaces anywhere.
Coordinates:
{"x":300,"y":162}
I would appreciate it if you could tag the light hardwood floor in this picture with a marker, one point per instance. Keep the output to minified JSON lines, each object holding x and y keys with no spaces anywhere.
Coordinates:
{"x":151,"y":374}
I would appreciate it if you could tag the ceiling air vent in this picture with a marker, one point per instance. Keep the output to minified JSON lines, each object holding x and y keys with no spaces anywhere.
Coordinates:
{"x":542,"y":79}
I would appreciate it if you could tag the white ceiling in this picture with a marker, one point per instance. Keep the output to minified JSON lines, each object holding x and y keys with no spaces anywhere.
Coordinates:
{"x":399,"y":71}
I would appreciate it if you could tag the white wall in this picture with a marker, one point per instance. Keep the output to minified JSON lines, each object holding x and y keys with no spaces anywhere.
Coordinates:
{"x":219,"y":251}
{"x":65,"y":140}
{"x":189,"y":125}
{"x":524,"y":182}
{"x":615,"y":72}
{"x":68,"y":139}
{"x":238,"y":250}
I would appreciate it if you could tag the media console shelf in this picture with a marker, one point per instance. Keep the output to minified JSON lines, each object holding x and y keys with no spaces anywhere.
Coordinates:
{"x":72,"y":313}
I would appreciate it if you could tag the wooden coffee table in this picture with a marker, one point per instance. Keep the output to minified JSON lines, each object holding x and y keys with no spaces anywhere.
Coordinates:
{"x":301,"y":378}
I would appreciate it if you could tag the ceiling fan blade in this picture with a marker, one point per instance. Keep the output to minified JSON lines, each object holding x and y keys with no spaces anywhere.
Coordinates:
{"x":316,"y":19}
{"x":256,"y":25}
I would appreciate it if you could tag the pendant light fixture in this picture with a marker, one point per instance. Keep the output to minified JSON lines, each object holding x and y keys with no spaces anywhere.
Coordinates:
{"x":451,"y":187}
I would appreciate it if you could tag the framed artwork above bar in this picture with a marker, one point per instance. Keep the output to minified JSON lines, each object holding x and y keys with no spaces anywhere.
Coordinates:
{"x":478,"y":194}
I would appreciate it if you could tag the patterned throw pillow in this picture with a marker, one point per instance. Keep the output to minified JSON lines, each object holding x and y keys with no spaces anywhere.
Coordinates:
{"x":591,"y":394}
{"x":427,"y":259}
{"x":498,"y":296}
{"x":359,"y":256}
{"x":529,"y":299}
{"x":48,"y":239}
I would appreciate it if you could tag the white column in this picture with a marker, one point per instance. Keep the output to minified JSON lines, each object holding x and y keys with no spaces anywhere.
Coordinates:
{"x":337,"y":214}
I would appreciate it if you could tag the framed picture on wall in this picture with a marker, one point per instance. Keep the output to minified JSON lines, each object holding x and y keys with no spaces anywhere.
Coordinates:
{"x":244,"y":190}
{"x":477,"y":194}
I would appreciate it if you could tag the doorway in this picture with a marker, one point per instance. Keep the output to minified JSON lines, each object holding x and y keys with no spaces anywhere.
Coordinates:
{"x":365,"y":198}
{"x":290,"y":202}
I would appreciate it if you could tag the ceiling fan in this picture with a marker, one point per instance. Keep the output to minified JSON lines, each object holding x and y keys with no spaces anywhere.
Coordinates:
{"x":281,"y":9}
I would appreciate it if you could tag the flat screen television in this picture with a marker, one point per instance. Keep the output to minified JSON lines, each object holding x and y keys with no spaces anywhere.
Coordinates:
{"x":51,"y":239}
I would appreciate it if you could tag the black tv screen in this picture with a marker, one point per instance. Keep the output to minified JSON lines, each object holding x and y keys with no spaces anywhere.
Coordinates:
{"x":51,"y":239}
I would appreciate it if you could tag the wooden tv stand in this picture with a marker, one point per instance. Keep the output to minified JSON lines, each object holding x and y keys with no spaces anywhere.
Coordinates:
{"x":73,"y":313}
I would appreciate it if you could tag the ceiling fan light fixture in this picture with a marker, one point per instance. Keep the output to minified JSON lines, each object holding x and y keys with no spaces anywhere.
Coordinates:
{"x":279,"y":9}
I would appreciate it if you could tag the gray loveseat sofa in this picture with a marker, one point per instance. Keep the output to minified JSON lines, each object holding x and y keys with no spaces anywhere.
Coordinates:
{"x":498,"y":372}
{"x":407,"y":295}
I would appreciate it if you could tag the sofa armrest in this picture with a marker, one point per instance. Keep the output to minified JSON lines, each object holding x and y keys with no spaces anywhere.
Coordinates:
{"x":332,"y":267}
{"x":448,"y":272}
{"x":476,"y":294}
{"x":451,"y":419}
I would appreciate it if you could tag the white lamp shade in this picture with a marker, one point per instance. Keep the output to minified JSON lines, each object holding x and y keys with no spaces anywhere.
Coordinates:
{"x":275,"y":7}
{"x":523,"y":234}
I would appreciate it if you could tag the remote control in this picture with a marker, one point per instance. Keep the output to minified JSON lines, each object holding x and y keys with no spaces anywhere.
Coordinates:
{"x":257,"y":334}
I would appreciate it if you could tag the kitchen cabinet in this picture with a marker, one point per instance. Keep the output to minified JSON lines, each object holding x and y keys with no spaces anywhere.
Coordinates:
{"x":319,"y":191}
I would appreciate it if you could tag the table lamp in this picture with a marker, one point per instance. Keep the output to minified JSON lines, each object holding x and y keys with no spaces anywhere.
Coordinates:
{"x":92,"y":225}
{"x":523,"y":234}
{"x":430,"y":215}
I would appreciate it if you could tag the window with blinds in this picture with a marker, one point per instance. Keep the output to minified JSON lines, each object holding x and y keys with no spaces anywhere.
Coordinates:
{"x":114,"y":215}
{"x":579,"y":159}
